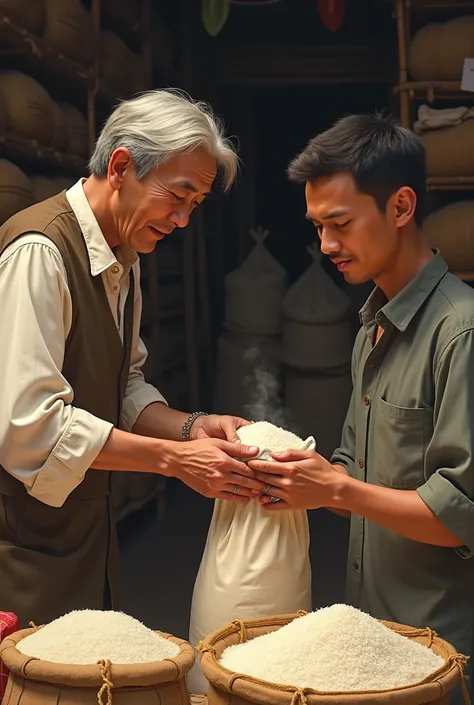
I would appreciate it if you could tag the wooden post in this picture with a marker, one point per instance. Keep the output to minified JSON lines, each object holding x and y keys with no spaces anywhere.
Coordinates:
{"x":403,"y":36}
{"x":189,"y":240}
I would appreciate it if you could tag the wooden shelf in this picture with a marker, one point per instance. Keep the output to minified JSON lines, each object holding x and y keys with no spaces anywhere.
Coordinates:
{"x":433,"y":90}
{"x":35,"y":53}
{"x":18,"y":148}
{"x":445,"y":5}
{"x":450,"y":183}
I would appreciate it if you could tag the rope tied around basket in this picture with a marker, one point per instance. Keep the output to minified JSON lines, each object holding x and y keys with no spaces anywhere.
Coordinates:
{"x":242,"y":630}
{"x":460,"y":661}
{"x":204,"y":648}
{"x":105,"y":672}
{"x":299,"y":698}
{"x":33,"y":626}
{"x":301,"y":613}
{"x":430,"y":633}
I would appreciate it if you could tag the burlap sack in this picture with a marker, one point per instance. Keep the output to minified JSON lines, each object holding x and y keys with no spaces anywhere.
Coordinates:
{"x":227,"y":688}
{"x":36,"y":682}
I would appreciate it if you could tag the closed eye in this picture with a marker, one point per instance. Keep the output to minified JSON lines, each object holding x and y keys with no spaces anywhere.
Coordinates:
{"x":342,"y":225}
{"x":176,"y":197}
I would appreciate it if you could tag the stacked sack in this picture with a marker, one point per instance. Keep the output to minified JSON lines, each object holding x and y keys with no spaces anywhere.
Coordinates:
{"x":250,"y":345}
{"x":316,"y":350}
{"x":451,"y":230}
{"x":437,"y":53}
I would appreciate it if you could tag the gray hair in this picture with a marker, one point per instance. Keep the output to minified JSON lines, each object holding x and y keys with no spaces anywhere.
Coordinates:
{"x":157,"y":125}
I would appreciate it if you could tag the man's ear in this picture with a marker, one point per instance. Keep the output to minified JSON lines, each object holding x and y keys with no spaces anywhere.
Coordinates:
{"x":404,"y":205}
{"x":119,"y":162}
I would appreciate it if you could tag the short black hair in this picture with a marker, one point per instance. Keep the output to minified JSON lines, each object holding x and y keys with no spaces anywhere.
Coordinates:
{"x":380,"y":155}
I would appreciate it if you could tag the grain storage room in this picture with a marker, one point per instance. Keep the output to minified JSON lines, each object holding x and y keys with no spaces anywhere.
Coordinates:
{"x":208,"y":577}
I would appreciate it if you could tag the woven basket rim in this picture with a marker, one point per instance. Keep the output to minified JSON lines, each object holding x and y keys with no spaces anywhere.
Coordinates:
{"x":88,"y":675}
{"x":443,"y":679}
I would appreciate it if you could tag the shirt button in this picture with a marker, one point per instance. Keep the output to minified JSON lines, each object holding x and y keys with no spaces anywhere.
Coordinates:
{"x":367,"y":401}
{"x":115,"y":269}
{"x":355,"y":564}
{"x":115,"y":287}
{"x":361,"y":463}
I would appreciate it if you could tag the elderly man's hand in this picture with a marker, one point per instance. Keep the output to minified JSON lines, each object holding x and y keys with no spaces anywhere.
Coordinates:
{"x":299,"y":479}
{"x":214,"y":468}
{"x":214,"y":426}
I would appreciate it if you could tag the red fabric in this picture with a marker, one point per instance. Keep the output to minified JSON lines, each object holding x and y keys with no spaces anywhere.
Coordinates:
{"x":8,"y":625}
{"x":332,"y":13}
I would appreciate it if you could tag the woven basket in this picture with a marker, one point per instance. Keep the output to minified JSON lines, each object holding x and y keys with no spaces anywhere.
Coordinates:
{"x":36,"y":682}
{"x":227,"y":688}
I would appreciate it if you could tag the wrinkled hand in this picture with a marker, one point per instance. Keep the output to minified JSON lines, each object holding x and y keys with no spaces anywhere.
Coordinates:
{"x":215,"y":426}
{"x":299,"y":479}
{"x":212,"y":468}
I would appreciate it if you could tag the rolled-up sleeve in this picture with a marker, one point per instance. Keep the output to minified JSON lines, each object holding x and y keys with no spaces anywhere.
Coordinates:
{"x":449,"y":462}
{"x":45,"y":442}
{"x":139,"y":394}
{"x":344,"y":455}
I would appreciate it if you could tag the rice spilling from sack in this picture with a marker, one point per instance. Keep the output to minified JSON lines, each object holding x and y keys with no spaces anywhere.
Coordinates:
{"x":266,"y":435}
{"x":335,"y":649}
{"x":88,"y":636}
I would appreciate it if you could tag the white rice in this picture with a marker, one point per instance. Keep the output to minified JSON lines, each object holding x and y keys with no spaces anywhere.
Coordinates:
{"x":88,"y":636}
{"x":266,"y":435}
{"x":334,"y":649}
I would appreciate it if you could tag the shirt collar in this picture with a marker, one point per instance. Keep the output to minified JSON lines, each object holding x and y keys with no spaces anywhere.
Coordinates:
{"x":403,"y":307}
{"x":101,"y":257}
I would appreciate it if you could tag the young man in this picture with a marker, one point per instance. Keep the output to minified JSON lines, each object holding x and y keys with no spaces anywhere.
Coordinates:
{"x":404,"y":472}
{"x":74,"y":403}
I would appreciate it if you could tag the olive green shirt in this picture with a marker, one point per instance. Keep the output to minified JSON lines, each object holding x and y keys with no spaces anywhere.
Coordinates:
{"x":410,"y":426}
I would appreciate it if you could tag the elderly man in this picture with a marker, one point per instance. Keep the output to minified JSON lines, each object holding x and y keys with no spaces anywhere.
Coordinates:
{"x":75,"y":406}
{"x":404,"y":472}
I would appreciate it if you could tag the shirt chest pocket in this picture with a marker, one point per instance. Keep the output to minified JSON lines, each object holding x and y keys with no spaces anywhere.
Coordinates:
{"x":399,"y":439}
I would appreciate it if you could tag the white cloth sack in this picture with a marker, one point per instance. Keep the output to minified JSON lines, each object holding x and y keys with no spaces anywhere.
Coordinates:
{"x":317,"y":333}
{"x":435,"y":119}
{"x":254,"y":291}
{"x":255,"y":564}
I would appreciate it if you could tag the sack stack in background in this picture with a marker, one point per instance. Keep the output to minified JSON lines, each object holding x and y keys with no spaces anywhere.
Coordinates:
{"x":316,"y":350}
{"x":249,"y":349}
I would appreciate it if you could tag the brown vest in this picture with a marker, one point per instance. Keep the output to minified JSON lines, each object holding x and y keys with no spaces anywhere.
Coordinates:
{"x":56,"y":559}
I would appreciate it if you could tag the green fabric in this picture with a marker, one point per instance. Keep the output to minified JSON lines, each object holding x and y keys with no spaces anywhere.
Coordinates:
{"x":214,"y":15}
{"x":410,"y":425}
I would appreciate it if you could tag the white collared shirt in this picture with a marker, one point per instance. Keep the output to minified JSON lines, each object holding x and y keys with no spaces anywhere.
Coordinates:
{"x":45,"y":441}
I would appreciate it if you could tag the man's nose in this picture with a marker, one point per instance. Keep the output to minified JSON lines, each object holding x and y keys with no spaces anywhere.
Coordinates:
{"x":180,"y":217}
{"x":329,"y":243}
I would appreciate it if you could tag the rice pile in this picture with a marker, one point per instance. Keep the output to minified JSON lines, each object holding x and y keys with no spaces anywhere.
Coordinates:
{"x":87,"y":636}
{"x":337,"y":648}
{"x":266,"y":435}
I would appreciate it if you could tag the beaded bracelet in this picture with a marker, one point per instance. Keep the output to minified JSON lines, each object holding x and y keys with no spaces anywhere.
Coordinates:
{"x":186,"y":431}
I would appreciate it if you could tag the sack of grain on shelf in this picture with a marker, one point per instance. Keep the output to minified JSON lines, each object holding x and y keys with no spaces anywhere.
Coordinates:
{"x":28,"y":105}
{"x":316,"y":328}
{"x":451,"y":229}
{"x":113,"y":64}
{"x":69,"y":28}
{"x":26,"y":13}
{"x":16,"y":191}
{"x":337,"y":655}
{"x":255,"y":563}
{"x":77,"y":130}
{"x":438,"y":50}
{"x":91,"y":656}
{"x":43,"y":187}
{"x":435,"y":118}
{"x":254,"y":291}
{"x":449,"y":151}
